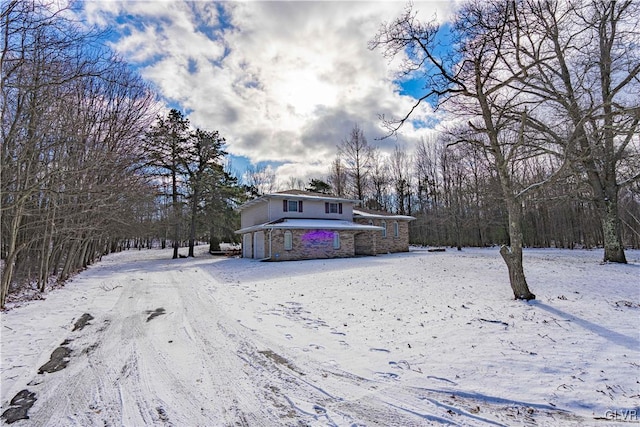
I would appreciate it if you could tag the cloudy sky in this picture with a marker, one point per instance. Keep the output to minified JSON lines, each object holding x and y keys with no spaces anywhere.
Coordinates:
{"x":283,"y":82}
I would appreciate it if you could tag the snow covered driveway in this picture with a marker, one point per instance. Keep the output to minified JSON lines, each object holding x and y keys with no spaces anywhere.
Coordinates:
{"x":395,"y":340}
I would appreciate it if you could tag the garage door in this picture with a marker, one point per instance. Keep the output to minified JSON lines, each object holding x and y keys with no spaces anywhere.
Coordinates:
{"x":247,"y":248}
{"x":258,"y":245}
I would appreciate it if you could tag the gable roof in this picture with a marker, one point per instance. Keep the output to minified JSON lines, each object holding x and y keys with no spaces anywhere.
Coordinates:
{"x":299,"y":195}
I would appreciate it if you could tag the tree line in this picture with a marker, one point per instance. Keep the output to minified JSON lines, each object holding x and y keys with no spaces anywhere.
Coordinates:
{"x":545,"y":90}
{"x":544,"y":148}
{"x":455,"y":197}
{"x":84,"y":160}
{"x":545,"y":94}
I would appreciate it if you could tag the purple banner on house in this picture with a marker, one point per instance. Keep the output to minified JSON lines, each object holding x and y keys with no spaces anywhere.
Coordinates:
{"x":318,"y":235}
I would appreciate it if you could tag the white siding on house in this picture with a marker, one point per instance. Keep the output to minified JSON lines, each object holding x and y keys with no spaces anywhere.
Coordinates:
{"x":256,"y":214}
{"x":310,"y":209}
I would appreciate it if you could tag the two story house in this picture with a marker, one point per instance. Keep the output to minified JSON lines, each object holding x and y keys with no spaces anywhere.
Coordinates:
{"x":294,"y":225}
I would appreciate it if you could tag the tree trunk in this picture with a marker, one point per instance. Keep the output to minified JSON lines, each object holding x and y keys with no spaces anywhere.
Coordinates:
{"x":12,"y":251}
{"x":70,"y":261}
{"x":45,"y":260}
{"x":192,"y":231}
{"x":512,"y":254}
{"x":611,"y":229}
{"x":176,"y":219}
{"x":612,"y":233}
{"x":214,"y":241}
{"x":513,"y":258}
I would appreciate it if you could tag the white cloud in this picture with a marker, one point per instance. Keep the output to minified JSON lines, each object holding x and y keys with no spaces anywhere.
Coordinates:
{"x":285,"y":83}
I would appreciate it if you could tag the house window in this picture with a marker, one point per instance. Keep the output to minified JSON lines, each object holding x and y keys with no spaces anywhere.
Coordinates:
{"x":288,"y":241}
{"x":292,"y":205}
{"x":396,"y":229}
{"x":383,"y":224}
{"x":336,"y":240}
{"x":333,"y":208}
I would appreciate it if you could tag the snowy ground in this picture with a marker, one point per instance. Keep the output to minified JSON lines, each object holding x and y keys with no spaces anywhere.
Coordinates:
{"x":419,"y":338}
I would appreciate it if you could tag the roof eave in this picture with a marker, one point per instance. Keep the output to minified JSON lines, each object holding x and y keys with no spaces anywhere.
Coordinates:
{"x":293,"y":225}
{"x":374,"y":216}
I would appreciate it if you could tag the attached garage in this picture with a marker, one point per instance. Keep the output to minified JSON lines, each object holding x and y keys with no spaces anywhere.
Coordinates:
{"x":247,"y":246}
{"x":258,"y":245}
{"x":294,"y":239}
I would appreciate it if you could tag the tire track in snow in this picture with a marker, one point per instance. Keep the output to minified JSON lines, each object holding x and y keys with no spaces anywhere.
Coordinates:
{"x":88,"y":388}
{"x":138,"y":372}
{"x":194,"y":364}
{"x":295,"y":390}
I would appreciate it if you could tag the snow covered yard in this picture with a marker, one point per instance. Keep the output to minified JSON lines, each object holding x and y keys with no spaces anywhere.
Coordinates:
{"x":407,"y":339}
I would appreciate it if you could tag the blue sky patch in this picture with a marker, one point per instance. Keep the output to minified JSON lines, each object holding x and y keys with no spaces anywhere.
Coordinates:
{"x":192,"y":66}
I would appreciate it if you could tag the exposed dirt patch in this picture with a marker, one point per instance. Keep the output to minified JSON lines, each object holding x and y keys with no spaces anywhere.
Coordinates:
{"x":280,"y":360}
{"x":58,"y":361}
{"x":90,"y":349}
{"x":82,"y":322}
{"x":162,"y":414}
{"x":20,"y":405}
{"x":155,"y":313}
{"x":626,"y":304}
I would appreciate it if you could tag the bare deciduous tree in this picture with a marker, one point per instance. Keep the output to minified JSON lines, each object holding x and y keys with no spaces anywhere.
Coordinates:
{"x":588,"y":77}
{"x":338,"y":177}
{"x":380,"y":182}
{"x":355,"y":152}
{"x":478,"y":83}
{"x":401,"y":180}
{"x":261,"y":180}
{"x":71,"y":121}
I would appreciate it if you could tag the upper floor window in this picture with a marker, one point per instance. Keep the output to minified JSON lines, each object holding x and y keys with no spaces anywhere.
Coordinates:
{"x":292,"y":205}
{"x":396,"y":229}
{"x":333,"y":207}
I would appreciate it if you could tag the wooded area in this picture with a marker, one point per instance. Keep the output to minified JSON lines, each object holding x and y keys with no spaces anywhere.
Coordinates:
{"x":544,"y":90}
{"x":545,"y":147}
{"x":544,"y":150}
{"x":78,"y":176}
{"x":456,"y":199}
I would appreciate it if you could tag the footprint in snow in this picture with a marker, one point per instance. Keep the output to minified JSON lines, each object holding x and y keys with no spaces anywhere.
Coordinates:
{"x":388,"y":375}
{"x":402,"y":364}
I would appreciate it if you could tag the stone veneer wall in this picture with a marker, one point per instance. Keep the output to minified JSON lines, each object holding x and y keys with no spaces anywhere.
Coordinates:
{"x":365,"y":242}
{"x":311,"y":244}
{"x":383,"y":245}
